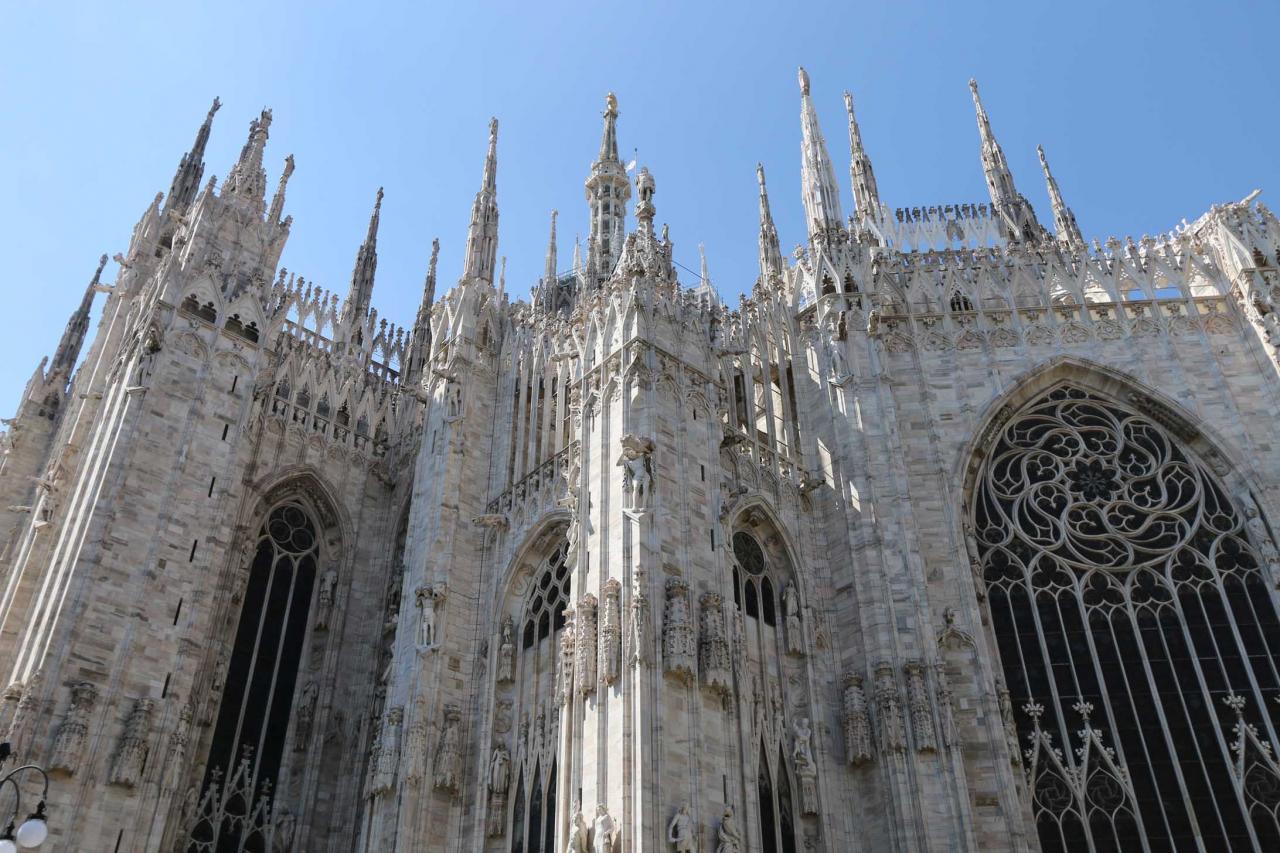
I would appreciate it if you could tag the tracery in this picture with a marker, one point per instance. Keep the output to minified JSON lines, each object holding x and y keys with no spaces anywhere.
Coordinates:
{"x":1132,"y":615}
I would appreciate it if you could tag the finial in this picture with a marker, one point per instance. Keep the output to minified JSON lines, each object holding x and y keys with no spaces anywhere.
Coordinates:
{"x":1044,"y":163}
{"x":102,"y":264}
{"x":610,"y":104}
{"x":760,"y":175}
{"x":502,"y":277}
{"x":493,"y":129}
{"x":804,"y":81}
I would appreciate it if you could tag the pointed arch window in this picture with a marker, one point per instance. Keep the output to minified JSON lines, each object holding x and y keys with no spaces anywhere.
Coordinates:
{"x":257,"y":701}
{"x":1131,"y":609}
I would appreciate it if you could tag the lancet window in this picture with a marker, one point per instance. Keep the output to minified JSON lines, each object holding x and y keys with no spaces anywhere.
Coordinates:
{"x":1136,"y":630}
{"x":531,"y":706}
{"x":257,"y":700}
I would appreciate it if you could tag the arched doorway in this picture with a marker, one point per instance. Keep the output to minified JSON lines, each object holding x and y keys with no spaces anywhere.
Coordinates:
{"x":1131,"y":609}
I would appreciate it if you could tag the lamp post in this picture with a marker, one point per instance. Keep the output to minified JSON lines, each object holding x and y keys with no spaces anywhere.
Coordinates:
{"x":34,"y":830}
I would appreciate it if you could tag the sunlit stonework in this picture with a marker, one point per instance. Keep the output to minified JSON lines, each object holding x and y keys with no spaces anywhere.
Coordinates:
{"x":955,"y":533}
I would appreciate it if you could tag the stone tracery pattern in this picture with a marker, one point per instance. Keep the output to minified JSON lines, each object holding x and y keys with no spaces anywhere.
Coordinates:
{"x":1149,"y":597}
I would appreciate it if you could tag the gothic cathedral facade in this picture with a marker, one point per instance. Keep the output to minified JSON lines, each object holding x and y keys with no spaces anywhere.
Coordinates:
{"x":956,"y":533}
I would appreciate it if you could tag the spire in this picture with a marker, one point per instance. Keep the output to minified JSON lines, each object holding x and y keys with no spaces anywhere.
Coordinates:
{"x":770,"y":251}
{"x":577,"y":255}
{"x":186,"y":181}
{"x":64,"y":359}
{"x":607,"y":190}
{"x":482,"y":234}
{"x":1019,"y":219}
{"x":277,"y":203}
{"x":502,"y":278}
{"x":1064,"y":221}
{"x":549,"y":271}
{"x":820,"y":192}
{"x":420,"y":342}
{"x":361,"y":291}
{"x":247,"y":178}
{"x":704,"y":274}
{"x":645,"y":188}
{"x":865,"y":193}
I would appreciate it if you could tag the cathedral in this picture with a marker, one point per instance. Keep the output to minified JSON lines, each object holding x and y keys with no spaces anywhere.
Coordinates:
{"x":956,"y":532}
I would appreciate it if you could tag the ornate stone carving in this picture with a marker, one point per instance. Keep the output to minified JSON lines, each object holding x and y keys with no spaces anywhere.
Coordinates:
{"x":415,"y":747}
{"x":384,"y":779}
{"x":610,"y":632}
{"x":922,"y":730}
{"x":889,"y":710}
{"x":857,"y":722}
{"x":324,"y":599}
{"x":681,"y":832}
{"x":677,"y":632}
{"x":507,"y":653}
{"x":637,"y":471}
{"x":946,"y":705}
{"x":175,"y":764}
{"x":565,"y":678}
{"x":604,"y":831}
{"x":26,"y":714}
{"x":791,"y":616}
{"x":448,"y":765}
{"x":1006,"y":719}
{"x":306,"y":716}
{"x":951,"y":635}
{"x":428,"y":600}
{"x":640,"y":619}
{"x":728,"y":836}
{"x":68,"y":746}
{"x":499,"y":780}
{"x":713,"y":647}
{"x":585,"y":652}
{"x":131,"y":753}
{"x":806,"y":768}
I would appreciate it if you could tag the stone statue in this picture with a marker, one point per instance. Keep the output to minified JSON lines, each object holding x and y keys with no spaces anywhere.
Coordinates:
{"x":499,"y":780}
{"x":577,"y":831}
{"x":603,"y":831}
{"x":324,"y":599}
{"x":791,"y":614}
{"x":806,"y":769}
{"x":640,"y":642}
{"x":680,"y":832}
{"x":728,"y":835}
{"x":507,"y":653}
{"x":428,"y":600}
{"x":306,"y":716}
{"x":637,"y":476}
{"x":449,"y":755}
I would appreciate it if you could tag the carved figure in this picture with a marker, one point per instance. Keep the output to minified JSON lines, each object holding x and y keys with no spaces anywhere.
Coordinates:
{"x":306,"y":716}
{"x":586,"y":644}
{"x":680,"y":832}
{"x":577,"y":831}
{"x":728,"y":835}
{"x":448,"y":774}
{"x":889,"y":710}
{"x":640,"y":642}
{"x":637,"y":475}
{"x":603,"y":831}
{"x":713,"y":647}
{"x":507,"y":653}
{"x":324,"y":599}
{"x":806,"y":769}
{"x":499,"y":779}
{"x":791,"y":613}
{"x":428,"y":600}
{"x":921,"y":712}
{"x":566,"y":659}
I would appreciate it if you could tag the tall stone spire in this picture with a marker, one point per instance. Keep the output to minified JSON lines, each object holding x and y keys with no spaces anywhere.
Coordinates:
{"x":549,"y":271}
{"x":482,"y":234}
{"x":247,"y":178}
{"x":1064,"y":221}
{"x":420,"y":342}
{"x":818,"y":186}
{"x":607,"y":190}
{"x":361,"y":292}
{"x":277,"y":202}
{"x":865,"y":193}
{"x":64,"y":358}
{"x":186,"y":181}
{"x":771,"y":262}
{"x":1019,"y":218}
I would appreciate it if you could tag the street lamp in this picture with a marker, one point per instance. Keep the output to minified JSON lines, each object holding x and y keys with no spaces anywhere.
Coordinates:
{"x":34,"y":829}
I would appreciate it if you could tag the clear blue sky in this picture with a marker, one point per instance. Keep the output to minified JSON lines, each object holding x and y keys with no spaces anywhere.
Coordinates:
{"x":1149,"y":112}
